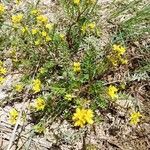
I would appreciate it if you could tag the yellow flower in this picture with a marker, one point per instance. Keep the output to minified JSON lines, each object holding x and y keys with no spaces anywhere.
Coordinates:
{"x":34,"y":31}
{"x":42,"y":19}
{"x":78,"y":117}
{"x":113,"y":60}
{"x":44,"y":34}
{"x":2,"y":8}
{"x":16,"y":19}
{"x":135,"y":118}
{"x":37,"y":42}
{"x":83,"y":116}
{"x":69,"y":97}
{"x":39,"y":104}
{"x":76,"y":66}
{"x":2,"y":80}
{"x":112,"y":92}
{"x":19,"y":87}
{"x":24,"y":29}
{"x":34,"y":12}
{"x":13,"y":115}
{"x":48,"y":38}
{"x":87,"y":26}
{"x":119,"y":49}
{"x":77,"y":2}
{"x":37,"y":86}
{"x":49,"y":26}
{"x":3,"y":70}
{"x":89,"y":116}
{"x":92,"y":25}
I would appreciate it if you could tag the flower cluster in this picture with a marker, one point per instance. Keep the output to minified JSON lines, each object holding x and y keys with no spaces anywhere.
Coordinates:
{"x":76,"y":67}
{"x":24,"y":29}
{"x":119,"y":49}
{"x":39,"y":104}
{"x":3,"y":70}
{"x":116,"y":56}
{"x":41,"y":29}
{"x":112,"y":92}
{"x":2,"y":8}
{"x":13,"y":115}
{"x":83,"y":116}
{"x":41,"y":19}
{"x":41,"y":32}
{"x":34,"y":31}
{"x":135,"y":118}
{"x":88,"y":27}
{"x":16,"y":19}
{"x":77,"y":2}
{"x":37,"y":86}
{"x":35,"y":12}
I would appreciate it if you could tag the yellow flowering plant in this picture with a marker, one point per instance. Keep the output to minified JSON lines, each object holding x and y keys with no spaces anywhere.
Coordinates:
{"x":82,"y":117}
{"x":39,"y":104}
{"x":112,"y":92}
{"x":24,"y":29}
{"x":41,"y":19}
{"x":3,"y":70}
{"x":35,"y":12}
{"x":37,"y":86}
{"x":120,"y":50}
{"x":13,"y":115}
{"x":116,"y":56}
{"x":62,"y":63}
{"x":34,"y":31}
{"x":76,"y":67}
{"x":16,"y":19}
{"x":2,"y":8}
{"x":77,"y":2}
{"x":135,"y":118}
{"x":49,"y":26}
